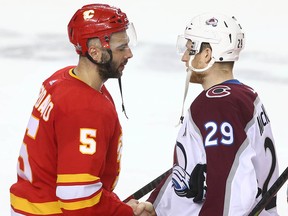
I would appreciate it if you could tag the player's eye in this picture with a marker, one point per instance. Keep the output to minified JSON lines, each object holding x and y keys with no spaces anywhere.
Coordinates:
{"x":192,"y":52}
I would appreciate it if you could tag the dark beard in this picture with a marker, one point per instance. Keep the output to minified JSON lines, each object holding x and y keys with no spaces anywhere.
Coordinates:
{"x":108,"y":70}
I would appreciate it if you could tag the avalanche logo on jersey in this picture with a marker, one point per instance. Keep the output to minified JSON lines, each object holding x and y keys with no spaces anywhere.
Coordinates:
{"x":218,"y":91}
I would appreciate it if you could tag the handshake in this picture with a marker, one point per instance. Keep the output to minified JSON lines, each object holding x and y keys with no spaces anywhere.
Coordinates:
{"x":141,"y":208}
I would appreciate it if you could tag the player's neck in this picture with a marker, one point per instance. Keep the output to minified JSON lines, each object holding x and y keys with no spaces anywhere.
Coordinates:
{"x":89,"y":76}
{"x":215,"y":77}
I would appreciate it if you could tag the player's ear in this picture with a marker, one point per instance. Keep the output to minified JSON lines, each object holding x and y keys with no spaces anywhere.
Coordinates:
{"x":95,"y":53}
{"x":207,"y":53}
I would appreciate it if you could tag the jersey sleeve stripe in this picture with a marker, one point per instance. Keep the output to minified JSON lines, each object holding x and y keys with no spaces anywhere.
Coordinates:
{"x":79,"y":191}
{"x":70,"y":178}
{"x":46,"y":208}
{"x":76,"y":205}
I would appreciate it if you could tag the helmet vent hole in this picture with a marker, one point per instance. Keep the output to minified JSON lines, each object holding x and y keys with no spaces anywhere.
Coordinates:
{"x":189,"y":28}
{"x":225,"y":24}
{"x":230,"y":37}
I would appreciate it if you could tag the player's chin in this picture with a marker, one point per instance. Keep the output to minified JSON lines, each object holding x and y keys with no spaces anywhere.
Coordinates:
{"x":118,"y":74}
{"x":120,"y":70}
{"x":195,"y":78}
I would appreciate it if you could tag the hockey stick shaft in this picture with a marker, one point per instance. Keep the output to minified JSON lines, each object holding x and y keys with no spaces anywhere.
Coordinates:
{"x":148,"y":187}
{"x":270,"y":193}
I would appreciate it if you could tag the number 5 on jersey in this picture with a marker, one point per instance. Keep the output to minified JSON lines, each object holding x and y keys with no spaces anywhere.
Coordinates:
{"x":87,"y":141}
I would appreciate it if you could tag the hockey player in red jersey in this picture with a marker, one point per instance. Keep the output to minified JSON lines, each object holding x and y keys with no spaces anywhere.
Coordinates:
{"x":69,"y":161}
{"x":224,"y":159}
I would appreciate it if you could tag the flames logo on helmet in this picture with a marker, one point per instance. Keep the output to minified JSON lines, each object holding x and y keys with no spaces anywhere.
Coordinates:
{"x":88,"y":14}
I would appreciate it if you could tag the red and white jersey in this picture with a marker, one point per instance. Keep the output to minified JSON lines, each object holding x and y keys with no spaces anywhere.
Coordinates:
{"x":70,"y":157}
{"x":227,"y":131}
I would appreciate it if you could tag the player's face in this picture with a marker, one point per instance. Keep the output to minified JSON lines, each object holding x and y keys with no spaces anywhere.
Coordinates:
{"x":196,"y":62}
{"x":188,"y":53}
{"x":121,"y":52}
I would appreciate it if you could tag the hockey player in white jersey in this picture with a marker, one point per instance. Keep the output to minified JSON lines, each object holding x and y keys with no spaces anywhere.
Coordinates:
{"x":225,"y":158}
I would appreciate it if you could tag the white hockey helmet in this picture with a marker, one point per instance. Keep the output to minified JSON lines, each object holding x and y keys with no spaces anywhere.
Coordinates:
{"x":223,"y":33}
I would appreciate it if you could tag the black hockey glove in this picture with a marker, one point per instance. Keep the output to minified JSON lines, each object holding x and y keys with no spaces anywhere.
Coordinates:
{"x":196,"y":183}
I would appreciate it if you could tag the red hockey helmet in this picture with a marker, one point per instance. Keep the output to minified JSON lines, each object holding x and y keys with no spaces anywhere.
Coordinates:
{"x":95,"y":20}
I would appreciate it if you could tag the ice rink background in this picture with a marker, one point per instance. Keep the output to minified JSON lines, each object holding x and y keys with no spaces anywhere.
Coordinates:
{"x":34,"y":44}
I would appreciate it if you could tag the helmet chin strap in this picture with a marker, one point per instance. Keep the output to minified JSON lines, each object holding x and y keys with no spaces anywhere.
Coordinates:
{"x":108,"y":64}
{"x":190,"y":69}
{"x":123,"y":107}
{"x":188,"y":75}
